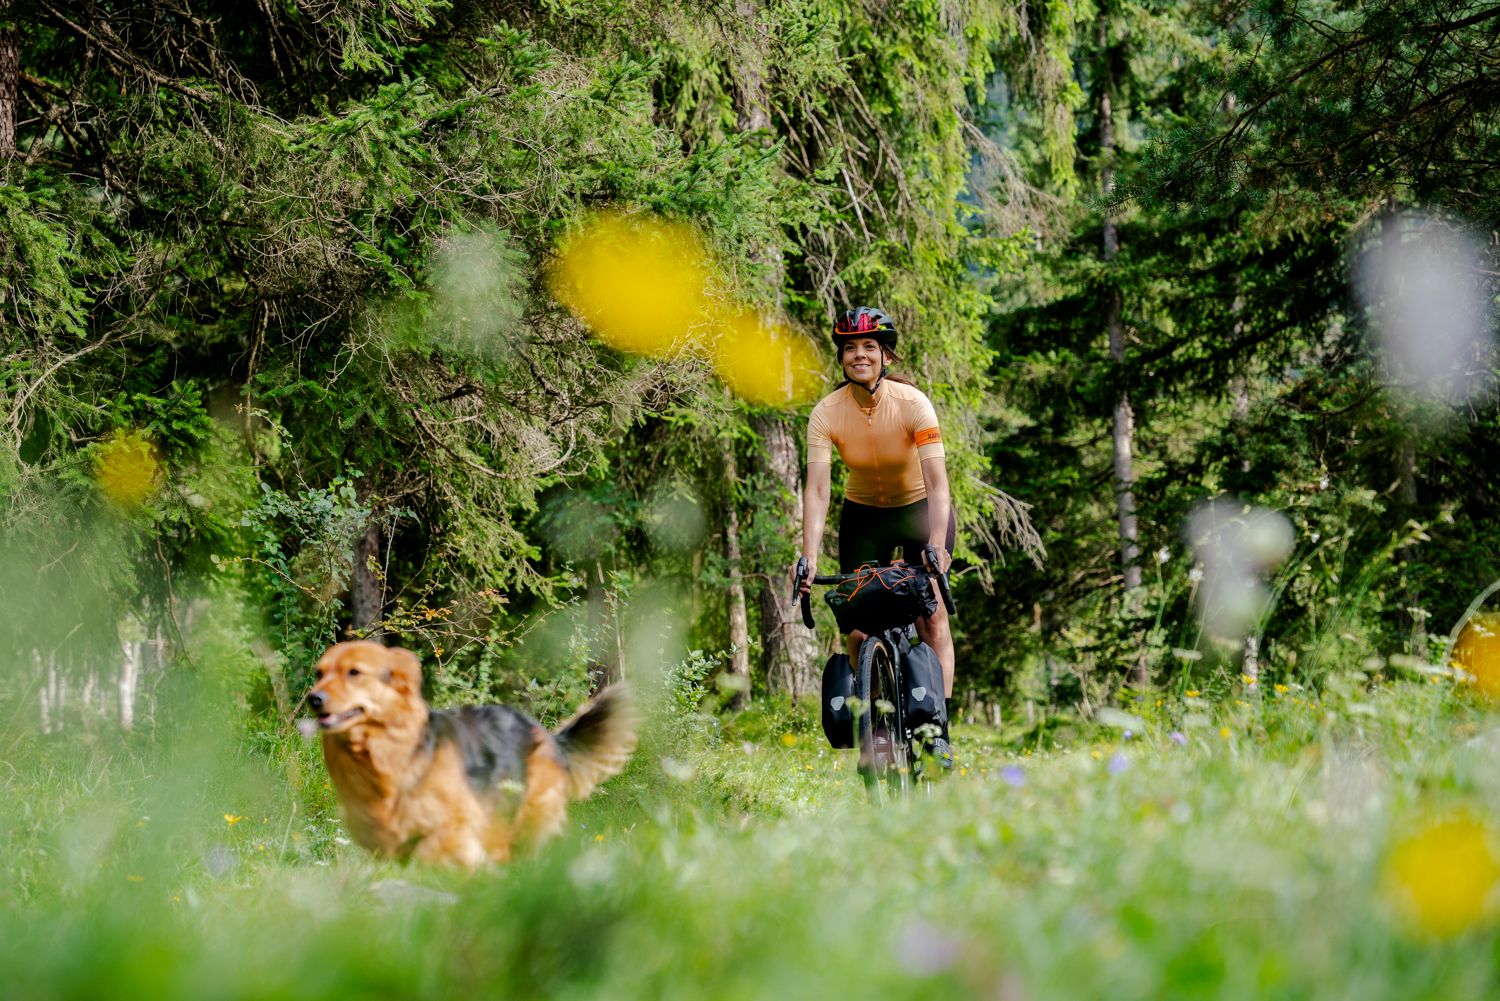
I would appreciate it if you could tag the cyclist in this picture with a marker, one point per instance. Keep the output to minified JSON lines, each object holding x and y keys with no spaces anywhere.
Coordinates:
{"x":886,"y":432}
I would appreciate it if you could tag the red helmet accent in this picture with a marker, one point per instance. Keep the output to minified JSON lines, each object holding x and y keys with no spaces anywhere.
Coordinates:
{"x":867,"y":321}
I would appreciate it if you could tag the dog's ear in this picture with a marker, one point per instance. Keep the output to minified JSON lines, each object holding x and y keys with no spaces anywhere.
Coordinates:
{"x":403,"y":671}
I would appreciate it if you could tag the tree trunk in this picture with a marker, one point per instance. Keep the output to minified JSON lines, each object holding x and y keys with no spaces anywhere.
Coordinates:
{"x":10,"y":73}
{"x":366,"y":588}
{"x":1123,"y":437}
{"x":789,"y":653}
{"x":788,"y":648}
{"x":739,"y":621}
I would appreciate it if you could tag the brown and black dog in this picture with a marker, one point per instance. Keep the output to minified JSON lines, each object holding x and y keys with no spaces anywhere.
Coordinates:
{"x":465,"y":786}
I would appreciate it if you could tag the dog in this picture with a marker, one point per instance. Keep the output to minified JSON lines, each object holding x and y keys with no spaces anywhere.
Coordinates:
{"x":468,"y":786}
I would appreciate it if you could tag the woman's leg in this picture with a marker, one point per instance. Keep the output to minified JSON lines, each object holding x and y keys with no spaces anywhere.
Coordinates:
{"x":933,"y":629}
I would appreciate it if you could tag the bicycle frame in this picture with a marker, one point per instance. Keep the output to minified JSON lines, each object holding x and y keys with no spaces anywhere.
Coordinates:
{"x":903,"y":756}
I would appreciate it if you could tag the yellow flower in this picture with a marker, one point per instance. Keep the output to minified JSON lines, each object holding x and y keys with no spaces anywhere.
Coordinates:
{"x":789,"y":739}
{"x":598,"y":838}
{"x":231,"y":819}
{"x":1442,"y":879}
{"x":640,"y":283}
{"x":1281,"y":689}
{"x":1191,"y":693}
{"x":127,"y":469}
{"x":1247,"y":679}
{"x":1224,"y":732}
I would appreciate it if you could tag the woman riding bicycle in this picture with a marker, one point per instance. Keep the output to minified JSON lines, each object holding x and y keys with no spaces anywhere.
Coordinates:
{"x":886,"y":431}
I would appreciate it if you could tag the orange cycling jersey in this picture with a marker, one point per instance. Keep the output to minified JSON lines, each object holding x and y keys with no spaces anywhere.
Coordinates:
{"x":883,"y":445}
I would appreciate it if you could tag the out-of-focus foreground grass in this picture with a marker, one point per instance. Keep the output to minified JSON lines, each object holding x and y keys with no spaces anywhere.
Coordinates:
{"x":1275,"y":847}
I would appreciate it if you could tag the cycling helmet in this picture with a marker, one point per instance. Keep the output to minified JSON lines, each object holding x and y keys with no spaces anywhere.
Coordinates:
{"x":866,"y":321}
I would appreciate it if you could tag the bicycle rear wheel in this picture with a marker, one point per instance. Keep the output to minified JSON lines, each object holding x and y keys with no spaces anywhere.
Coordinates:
{"x":884,"y":755}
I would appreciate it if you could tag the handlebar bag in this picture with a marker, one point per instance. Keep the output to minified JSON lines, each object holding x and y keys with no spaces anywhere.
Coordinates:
{"x":838,"y":685}
{"x":877,"y":598}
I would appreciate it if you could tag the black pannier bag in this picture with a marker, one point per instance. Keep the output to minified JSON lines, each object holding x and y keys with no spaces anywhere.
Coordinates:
{"x":880,"y":598}
{"x":838,"y":685}
{"x":923,"y":678}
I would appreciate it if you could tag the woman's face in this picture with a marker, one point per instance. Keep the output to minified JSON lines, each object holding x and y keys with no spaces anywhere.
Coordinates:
{"x":862,"y":359}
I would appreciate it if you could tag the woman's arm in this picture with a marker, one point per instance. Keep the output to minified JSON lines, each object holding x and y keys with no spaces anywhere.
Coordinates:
{"x":939,"y":504}
{"x":815,"y":513}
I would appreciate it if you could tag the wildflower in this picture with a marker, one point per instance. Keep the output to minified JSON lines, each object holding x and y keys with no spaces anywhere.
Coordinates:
{"x":1249,"y":679}
{"x":598,"y":839}
{"x":1178,"y":737}
{"x":1195,"y":575}
{"x":1119,"y":763}
{"x":1163,"y":554}
{"x":1281,"y":689}
{"x":1191,"y":693}
{"x":1096,"y":754}
{"x":231,"y":819}
{"x":1224,"y":732}
{"x":1013,"y":776}
{"x":1127,"y":735}
{"x":1442,"y":879}
{"x":789,"y":739}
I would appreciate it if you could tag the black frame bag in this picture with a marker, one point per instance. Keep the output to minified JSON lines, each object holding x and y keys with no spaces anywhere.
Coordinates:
{"x":877,"y":598}
{"x":923,"y":679}
{"x":838,"y":685}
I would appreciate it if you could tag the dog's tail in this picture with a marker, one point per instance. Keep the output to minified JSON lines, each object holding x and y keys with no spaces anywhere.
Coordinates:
{"x":597,"y":742}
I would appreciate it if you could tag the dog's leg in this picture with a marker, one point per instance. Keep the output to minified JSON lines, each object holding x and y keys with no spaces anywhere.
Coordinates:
{"x":544,"y":805}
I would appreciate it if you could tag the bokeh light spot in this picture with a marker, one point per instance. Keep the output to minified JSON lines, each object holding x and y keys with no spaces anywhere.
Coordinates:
{"x":127,"y":469}
{"x":1442,"y":878}
{"x":640,"y":284}
{"x":1477,"y":652}
{"x":766,"y":363}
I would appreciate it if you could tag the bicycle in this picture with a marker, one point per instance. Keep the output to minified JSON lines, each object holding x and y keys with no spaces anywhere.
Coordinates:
{"x":890,"y":753}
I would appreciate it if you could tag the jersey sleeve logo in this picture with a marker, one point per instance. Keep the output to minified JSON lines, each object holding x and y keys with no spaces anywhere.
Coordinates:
{"x":930,"y":436}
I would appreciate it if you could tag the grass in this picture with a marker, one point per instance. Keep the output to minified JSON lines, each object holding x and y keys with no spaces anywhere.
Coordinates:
{"x":1253,"y":860}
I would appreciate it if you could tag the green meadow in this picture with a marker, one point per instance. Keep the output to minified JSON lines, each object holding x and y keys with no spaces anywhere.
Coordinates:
{"x":1282,"y":846}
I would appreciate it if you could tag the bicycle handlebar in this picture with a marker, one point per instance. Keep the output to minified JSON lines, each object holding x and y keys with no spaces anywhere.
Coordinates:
{"x":801,"y":596}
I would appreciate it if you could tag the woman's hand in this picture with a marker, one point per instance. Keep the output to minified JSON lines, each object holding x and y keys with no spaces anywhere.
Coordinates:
{"x":806,"y":582}
{"x":944,"y":558}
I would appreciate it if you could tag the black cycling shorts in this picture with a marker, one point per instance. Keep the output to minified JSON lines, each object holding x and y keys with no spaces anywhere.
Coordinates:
{"x":871,"y":534}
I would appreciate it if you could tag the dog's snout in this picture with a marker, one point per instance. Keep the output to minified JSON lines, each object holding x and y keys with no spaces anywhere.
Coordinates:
{"x":317,"y":701}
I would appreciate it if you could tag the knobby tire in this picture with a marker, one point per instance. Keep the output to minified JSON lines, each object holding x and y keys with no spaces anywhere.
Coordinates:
{"x":885,"y":756}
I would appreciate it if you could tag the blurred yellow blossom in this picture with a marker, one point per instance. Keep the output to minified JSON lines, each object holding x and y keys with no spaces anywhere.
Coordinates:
{"x":639,"y":283}
{"x":1477,"y":653}
{"x":127,"y":469}
{"x":1442,"y":878}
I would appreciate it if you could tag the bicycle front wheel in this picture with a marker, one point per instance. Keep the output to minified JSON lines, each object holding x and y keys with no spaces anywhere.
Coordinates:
{"x":884,"y":756}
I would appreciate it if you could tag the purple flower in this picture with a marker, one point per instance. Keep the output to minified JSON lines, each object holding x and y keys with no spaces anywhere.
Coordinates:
{"x":1118,"y":763}
{"x":1127,"y":735}
{"x":1013,"y":776}
{"x":1178,"y":737}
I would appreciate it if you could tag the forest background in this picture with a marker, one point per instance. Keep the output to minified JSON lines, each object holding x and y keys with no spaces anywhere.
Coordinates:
{"x":294,"y":259}
{"x":285,"y":357}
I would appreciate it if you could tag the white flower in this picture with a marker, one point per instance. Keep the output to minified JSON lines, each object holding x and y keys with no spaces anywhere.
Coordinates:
{"x":1195,"y":574}
{"x":1163,"y":554}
